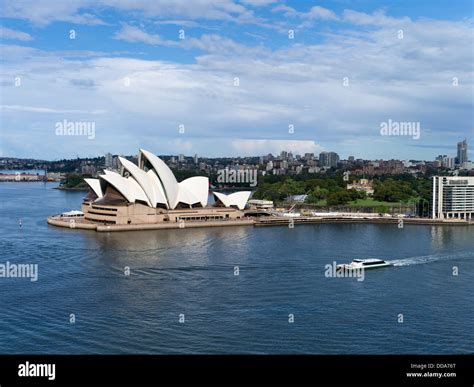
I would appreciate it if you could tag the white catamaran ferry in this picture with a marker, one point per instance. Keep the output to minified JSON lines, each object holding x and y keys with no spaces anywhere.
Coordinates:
{"x":371,"y":263}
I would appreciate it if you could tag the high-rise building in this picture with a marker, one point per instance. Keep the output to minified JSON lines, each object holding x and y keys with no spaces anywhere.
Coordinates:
{"x":283,"y":155}
{"x":462,"y":152}
{"x":196,"y":159}
{"x":108,"y":160}
{"x":448,"y":162}
{"x":268,"y":157}
{"x":115,"y":162}
{"x":351,"y":159}
{"x":88,"y":169}
{"x":453,"y":197}
{"x":328,"y":159}
{"x":181,"y":158}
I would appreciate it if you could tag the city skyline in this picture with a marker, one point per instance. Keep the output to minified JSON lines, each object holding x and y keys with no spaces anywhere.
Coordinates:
{"x":451,"y":157}
{"x":228,"y":78}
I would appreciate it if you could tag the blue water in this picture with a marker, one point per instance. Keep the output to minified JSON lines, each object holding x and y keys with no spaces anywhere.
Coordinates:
{"x":191,"y":272}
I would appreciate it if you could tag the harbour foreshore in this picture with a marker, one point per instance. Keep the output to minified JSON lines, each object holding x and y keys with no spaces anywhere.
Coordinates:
{"x":81,"y":223}
{"x":372,"y":220}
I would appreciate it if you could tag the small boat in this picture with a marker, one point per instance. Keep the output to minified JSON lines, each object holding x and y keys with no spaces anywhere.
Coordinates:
{"x":371,"y":263}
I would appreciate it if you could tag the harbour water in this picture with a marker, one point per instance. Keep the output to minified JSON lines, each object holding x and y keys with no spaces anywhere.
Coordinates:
{"x":83,"y":301}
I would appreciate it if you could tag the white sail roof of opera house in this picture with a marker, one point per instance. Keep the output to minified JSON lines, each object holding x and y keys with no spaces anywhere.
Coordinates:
{"x":127,"y":186}
{"x":95,"y":185}
{"x":153,"y":183}
{"x":238,"y":199}
{"x":147,"y":181}
{"x":197,"y":186}
{"x":165,"y":174}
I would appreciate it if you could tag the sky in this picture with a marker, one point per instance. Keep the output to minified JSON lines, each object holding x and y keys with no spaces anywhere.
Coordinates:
{"x":236,"y":77}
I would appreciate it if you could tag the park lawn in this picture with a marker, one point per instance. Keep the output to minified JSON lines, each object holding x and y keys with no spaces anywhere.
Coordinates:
{"x":373,"y":203}
{"x":368,"y":203}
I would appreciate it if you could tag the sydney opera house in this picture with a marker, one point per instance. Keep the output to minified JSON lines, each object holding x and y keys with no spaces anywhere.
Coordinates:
{"x":148,"y":193}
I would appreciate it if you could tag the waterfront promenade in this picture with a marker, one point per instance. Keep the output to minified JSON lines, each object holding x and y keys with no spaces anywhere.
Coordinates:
{"x":81,"y":223}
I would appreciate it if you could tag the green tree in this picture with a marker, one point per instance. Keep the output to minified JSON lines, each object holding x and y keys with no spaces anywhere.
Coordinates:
{"x":74,"y":180}
{"x":338,"y":198}
{"x":393,"y":191}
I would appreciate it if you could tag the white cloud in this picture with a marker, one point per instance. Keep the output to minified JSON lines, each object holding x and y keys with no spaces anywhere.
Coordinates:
{"x":44,"y":12}
{"x":315,"y":13}
{"x":287,"y":11}
{"x":203,"y":9}
{"x":259,"y":147}
{"x":211,"y":43}
{"x":378,"y":18}
{"x":134,"y":34}
{"x":7,"y":33}
{"x":181,"y":146}
{"x":319,"y":13}
{"x":180,"y":23}
{"x":407,"y":79}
